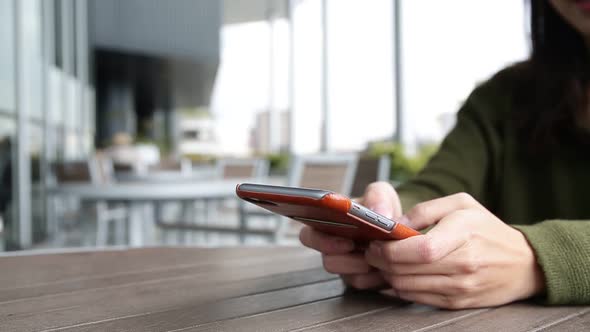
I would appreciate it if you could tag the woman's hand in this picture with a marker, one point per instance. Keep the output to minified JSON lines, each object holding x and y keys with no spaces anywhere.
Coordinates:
{"x":470,"y":258}
{"x":339,"y":254}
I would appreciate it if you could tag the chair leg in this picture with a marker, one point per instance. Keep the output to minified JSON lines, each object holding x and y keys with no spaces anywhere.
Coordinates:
{"x":120,"y":231}
{"x":102,"y":232}
{"x":243,"y":221}
{"x":280,"y":229}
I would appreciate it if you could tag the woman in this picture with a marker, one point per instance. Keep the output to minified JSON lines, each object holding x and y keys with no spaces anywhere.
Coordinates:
{"x":507,"y":195}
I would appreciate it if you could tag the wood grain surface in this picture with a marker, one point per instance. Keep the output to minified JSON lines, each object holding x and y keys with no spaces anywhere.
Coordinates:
{"x":232,"y":289}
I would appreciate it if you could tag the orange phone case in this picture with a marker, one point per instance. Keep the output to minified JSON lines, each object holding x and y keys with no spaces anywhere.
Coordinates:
{"x":326,"y":211}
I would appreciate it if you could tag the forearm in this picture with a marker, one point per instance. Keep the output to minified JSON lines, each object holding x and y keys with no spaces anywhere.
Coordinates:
{"x":562,"y":249}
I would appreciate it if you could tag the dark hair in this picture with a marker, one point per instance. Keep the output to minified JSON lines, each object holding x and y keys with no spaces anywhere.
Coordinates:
{"x":553,"y":80}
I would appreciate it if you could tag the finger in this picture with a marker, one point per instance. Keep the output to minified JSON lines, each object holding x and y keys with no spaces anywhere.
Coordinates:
{"x":436,"y":284}
{"x":430,"y":212}
{"x":346,"y":264}
{"x":324,"y":243}
{"x":382,"y":198}
{"x":458,"y":262}
{"x":377,"y":260}
{"x":371,"y":280}
{"x":447,"y":236}
{"x":435,"y":300}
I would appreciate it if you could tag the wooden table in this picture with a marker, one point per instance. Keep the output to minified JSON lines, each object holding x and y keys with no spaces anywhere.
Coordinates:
{"x":236,"y":289}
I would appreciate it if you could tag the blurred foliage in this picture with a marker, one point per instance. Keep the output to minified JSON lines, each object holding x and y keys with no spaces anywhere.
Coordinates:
{"x":278,"y":162}
{"x":403,"y":165}
{"x":197,"y":158}
{"x":195,"y":113}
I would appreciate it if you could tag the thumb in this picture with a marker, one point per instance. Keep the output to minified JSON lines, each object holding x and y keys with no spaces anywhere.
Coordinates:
{"x":382,"y":198}
{"x":428,"y":213}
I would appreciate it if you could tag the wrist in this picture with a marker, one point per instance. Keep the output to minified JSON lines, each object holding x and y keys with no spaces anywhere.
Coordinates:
{"x":534,"y":278}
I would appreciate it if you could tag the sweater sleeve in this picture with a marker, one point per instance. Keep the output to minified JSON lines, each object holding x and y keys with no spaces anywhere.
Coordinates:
{"x":562,"y":248}
{"x":466,"y":158}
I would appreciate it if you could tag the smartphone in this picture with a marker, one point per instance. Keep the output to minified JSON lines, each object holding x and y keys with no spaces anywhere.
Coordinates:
{"x":325,"y":211}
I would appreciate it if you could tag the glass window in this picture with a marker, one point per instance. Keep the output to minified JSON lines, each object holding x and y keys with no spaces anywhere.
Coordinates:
{"x":74,"y":40}
{"x":443,"y":60}
{"x":58,"y":34}
{"x":7,"y":197}
{"x":249,"y":59}
{"x":59,"y":139}
{"x":73,"y":144}
{"x":307,"y":111}
{"x":71,"y":102}
{"x":55,"y":96}
{"x":360,"y":73}
{"x":7,"y":102}
{"x":37,"y":192}
{"x":32,"y":56}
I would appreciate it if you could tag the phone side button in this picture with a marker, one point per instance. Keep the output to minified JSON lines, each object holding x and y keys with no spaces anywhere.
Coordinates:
{"x":388,"y":224}
{"x":372,"y":216}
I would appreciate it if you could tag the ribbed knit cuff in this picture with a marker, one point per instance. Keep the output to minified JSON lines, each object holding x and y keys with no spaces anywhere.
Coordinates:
{"x":562,"y":249}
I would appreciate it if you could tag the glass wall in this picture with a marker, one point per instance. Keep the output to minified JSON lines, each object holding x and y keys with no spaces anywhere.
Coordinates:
{"x":37,"y":94}
{"x":338,"y":80}
{"x":448,"y":47}
{"x":7,"y":120}
{"x":7,"y":57}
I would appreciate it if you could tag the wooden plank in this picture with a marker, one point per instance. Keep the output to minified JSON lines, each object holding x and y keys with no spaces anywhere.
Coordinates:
{"x":280,"y":263}
{"x":515,"y":317}
{"x":351,"y":304}
{"x":20,"y":271}
{"x":139,"y":299}
{"x":194,"y":315}
{"x":575,"y":322}
{"x":407,"y":318}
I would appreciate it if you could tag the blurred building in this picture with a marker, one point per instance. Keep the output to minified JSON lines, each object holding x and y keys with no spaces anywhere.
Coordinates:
{"x":265,"y":140}
{"x":152,"y":56}
{"x":198,"y":136}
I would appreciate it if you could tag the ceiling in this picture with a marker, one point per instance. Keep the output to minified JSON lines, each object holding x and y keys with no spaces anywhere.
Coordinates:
{"x":242,"y":11}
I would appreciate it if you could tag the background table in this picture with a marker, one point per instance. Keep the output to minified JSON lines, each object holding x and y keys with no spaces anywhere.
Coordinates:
{"x":237,"y":289}
{"x":197,"y":174}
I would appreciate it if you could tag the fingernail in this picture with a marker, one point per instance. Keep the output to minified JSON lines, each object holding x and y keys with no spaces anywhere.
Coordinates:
{"x":389,"y":292}
{"x":382,"y":209}
{"x":404,"y":220}
{"x":375,"y":248}
{"x":345,"y":245}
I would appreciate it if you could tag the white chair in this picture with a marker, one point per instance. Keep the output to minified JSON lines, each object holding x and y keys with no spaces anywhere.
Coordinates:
{"x":182,"y":166}
{"x":333,"y":172}
{"x":242,"y":168}
{"x":369,"y":170}
{"x":98,"y":170}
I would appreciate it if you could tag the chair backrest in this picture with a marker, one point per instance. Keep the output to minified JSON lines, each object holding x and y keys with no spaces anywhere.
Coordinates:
{"x":94,"y":171}
{"x":327,"y":171}
{"x":183,"y":166}
{"x":72,"y":172}
{"x":234,"y":168}
{"x":104,"y":168}
{"x":370,"y":169}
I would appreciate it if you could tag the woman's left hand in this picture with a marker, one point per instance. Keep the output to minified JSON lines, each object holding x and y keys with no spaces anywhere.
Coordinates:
{"x":470,"y":258}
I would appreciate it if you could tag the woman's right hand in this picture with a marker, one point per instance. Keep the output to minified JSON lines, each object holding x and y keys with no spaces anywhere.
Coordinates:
{"x":339,"y":255}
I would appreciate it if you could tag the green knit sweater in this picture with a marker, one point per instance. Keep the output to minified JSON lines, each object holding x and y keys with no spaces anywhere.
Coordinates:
{"x":546,"y":197}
